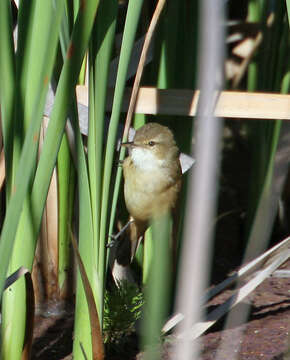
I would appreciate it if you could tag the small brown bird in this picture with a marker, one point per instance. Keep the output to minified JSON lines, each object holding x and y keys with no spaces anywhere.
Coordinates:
{"x":152,"y":178}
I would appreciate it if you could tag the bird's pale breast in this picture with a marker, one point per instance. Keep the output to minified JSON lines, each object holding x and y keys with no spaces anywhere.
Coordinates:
{"x":149,"y":193}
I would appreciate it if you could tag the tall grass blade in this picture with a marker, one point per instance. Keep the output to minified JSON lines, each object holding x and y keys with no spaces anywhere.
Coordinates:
{"x":7,"y":78}
{"x":66,"y":186}
{"x":100,"y":56}
{"x":82,"y":331}
{"x":23,"y":169}
{"x":157,"y":293}
{"x":132,"y":17}
{"x":96,"y":334}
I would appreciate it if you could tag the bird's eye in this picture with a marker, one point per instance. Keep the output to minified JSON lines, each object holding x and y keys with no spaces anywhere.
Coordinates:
{"x":151,"y":143}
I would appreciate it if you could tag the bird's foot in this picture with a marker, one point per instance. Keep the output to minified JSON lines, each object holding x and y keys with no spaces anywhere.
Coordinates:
{"x":115,"y":237}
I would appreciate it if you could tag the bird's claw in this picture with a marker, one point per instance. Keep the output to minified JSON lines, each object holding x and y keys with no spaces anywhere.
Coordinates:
{"x":111,"y":244}
{"x":116,"y":237}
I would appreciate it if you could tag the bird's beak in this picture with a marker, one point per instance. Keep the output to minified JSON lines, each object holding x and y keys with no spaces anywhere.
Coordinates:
{"x":127,"y":144}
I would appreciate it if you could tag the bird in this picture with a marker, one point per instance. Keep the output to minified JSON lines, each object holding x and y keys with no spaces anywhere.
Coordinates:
{"x":152,"y":181}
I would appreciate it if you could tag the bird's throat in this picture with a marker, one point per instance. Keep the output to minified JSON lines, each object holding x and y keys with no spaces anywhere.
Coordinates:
{"x":145,"y":159}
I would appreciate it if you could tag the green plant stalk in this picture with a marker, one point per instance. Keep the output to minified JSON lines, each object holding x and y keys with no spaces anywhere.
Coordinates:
{"x":133,"y":13}
{"x":31,"y":42}
{"x":254,"y":10}
{"x":66,"y":178}
{"x":100,"y":55}
{"x":148,"y":255}
{"x":169,"y":39}
{"x":261,"y":226}
{"x":254,"y":14}
{"x":13,"y":309}
{"x":162,"y":78}
{"x":68,"y":79}
{"x":272,"y":38}
{"x":7,"y":79}
{"x":257,"y":129}
{"x":288,"y":10}
{"x":13,"y":306}
{"x":69,"y":75}
{"x":102,"y":72}
{"x":138,"y":121}
{"x":270,"y":58}
{"x":27,"y":44}
{"x":82,"y":333}
{"x":139,"y":256}
{"x":116,"y":193}
{"x":282,"y":58}
{"x":64,"y":36}
{"x":30,"y":147}
{"x":157,"y":292}
{"x":66,"y":185}
{"x":257,"y":243}
{"x":263,"y":133}
{"x":76,"y":6}
{"x":278,"y":61}
{"x":63,"y":99}
{"x":92,"y":144}
{"x":82,"y":77}
{"x":68,"y":15}
{"x":54,"y":133}
{"x":257,"y":239}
